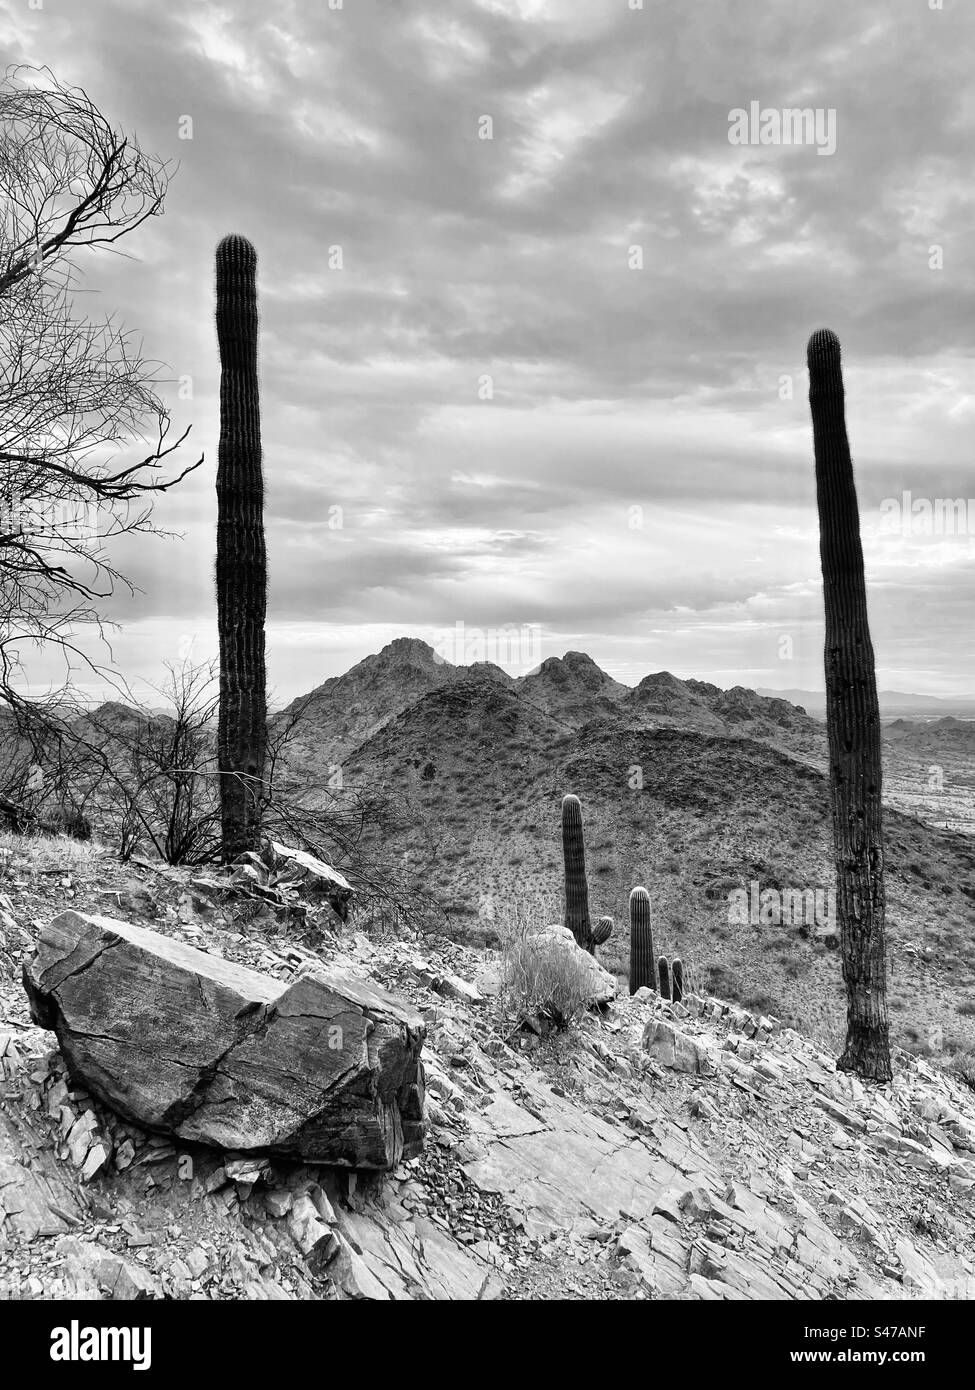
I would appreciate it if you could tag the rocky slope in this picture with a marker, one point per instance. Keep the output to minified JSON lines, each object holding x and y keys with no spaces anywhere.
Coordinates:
{"x":479,"y":775}
{"x":345,"y":711}
{"x":659,"y":1152}
{"x":341,"y":713}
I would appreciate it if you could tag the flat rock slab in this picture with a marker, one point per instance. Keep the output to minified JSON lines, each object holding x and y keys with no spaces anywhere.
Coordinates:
{"x":402,"y":1259}
{"x":325,"y":1067}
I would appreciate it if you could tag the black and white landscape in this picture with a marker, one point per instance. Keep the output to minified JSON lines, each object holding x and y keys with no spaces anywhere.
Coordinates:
{"x":487,"y":707}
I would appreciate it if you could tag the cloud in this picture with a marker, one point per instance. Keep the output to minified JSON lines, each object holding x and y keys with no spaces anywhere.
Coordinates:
{"x":503,"y":266}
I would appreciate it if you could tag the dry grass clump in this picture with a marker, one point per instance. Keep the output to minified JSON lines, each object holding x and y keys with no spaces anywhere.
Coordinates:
{"x":45,"y":854}
{"x":541,"y":978}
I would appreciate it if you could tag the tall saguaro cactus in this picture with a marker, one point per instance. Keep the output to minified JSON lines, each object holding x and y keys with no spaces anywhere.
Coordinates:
{"x":241,"y":555}
{"x":853,"y":724}
{"x":642,"y":968}
{"x":576,"y":885}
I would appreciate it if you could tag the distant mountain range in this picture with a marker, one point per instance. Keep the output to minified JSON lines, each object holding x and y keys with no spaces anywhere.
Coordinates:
{"x":893,"y":703}
{"x":344,"y":711}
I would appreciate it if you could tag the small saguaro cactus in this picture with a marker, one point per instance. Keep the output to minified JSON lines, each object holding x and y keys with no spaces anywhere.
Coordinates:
{"x":664,"y":971}
{"x":576,"y":885}
{"x":241,"y":555}
{"x":601,"y":933}
{"x":642,"y":972}
{"x":852,"y":725}
{"x":677,"y":979}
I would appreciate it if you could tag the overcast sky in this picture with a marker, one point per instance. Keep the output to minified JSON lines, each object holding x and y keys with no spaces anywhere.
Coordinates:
{"x":614,"y":388}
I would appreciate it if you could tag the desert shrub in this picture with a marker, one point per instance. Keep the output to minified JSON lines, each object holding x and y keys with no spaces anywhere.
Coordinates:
{"x":43,"y":854}
{"x":542,"y":977}
{"x":963,"y":1066}
{"x":697,"y":978}
{"x":760,"y":1003}
{"x":723,"y":983}
{"x":966,"y":1008}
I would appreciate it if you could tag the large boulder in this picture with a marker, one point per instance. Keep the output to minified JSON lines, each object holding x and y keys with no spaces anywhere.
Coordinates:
{"x":324,"y":1067}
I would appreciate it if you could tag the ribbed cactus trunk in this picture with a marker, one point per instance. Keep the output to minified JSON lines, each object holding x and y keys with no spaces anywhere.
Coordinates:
{"x":241,"y":556}
{"x":642,"y":969}
{"x":853,"y":725}
{"x":677,"y":979}
{"x":576,"y":886}
{"x":664,"y":971}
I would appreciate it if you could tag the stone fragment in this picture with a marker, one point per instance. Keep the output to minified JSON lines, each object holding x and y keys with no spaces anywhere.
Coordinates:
{"x":672,"y":1048}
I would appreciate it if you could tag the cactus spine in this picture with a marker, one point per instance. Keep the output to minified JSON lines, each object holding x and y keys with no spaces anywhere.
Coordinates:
{"x":576,"y":886}
{"x":677,"y":979}
{"x":642,"y":972}
{"x":601,"y":933}
{"x":241,"y":557}
{"x":664,"y":970}
{"x":853,"y":724}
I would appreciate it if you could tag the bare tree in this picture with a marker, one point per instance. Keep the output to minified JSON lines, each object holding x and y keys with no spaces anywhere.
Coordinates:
{"x":84,"y":436}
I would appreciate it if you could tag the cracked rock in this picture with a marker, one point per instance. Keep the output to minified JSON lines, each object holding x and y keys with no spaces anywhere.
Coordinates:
{"x":324,"y":1068}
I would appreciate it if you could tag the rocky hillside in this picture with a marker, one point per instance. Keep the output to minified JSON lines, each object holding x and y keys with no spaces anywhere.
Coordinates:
{"x":696,"y":792}
{"x":929,"y":769}
{"x":345,"y":711}
{"x":480,"y":775}
{"x":658,"y":1152}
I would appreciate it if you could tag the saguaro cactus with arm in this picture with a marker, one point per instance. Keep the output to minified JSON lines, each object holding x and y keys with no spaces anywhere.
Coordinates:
{"x":853,"y":724}
{"x":241,"y":555}
{"x":576,"y":884}
{"x":601,"y":933}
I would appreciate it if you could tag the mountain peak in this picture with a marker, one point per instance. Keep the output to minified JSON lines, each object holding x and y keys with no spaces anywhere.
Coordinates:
{"x":574,"y":665}
{"x":662,"y":680}
{"x":411,"y":649}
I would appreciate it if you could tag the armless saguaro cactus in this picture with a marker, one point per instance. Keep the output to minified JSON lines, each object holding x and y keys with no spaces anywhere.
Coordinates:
{"x":677,"y":979}
{"x":663,"y":968}
{"x":642,"y":968}
{"x":576,"y":886}
{"x":853,"y":725}
{"x":241,"y":556}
